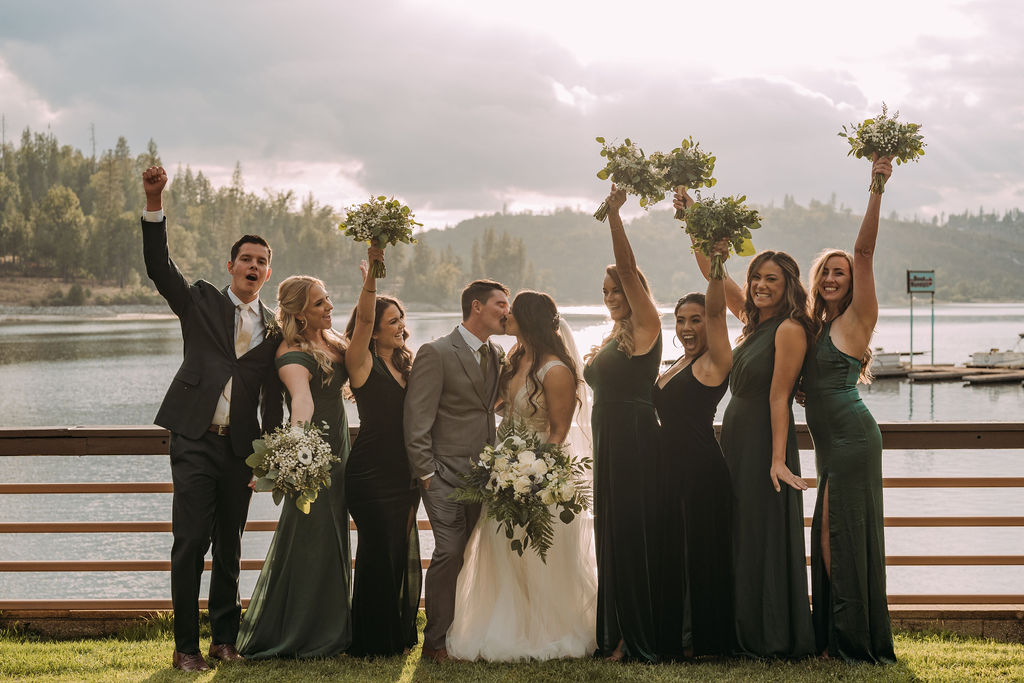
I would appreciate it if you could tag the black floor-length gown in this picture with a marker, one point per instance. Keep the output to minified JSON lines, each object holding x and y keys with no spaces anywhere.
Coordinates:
{"x":383,"y":499}
{"x":300,"y":606}
{"x":695,"y":516}
{"x":773,"y":614}
{"x":851,"y":611}
{"x":625,"y":497}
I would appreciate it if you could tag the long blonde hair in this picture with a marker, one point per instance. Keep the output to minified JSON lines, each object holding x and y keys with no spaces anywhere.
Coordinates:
{"x":819,"y":311}
{"x":292,"y":299}
{"x":622,"y":330}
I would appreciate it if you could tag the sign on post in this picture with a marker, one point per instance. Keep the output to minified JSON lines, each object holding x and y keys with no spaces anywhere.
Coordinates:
{"x":920,"y":281}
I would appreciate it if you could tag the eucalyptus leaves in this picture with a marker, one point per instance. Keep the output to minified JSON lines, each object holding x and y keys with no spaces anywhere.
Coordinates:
{"x":711,"y":220}
{"x":886,"y":137}
{"x":380,"y":222}
{"x":685,"y":167}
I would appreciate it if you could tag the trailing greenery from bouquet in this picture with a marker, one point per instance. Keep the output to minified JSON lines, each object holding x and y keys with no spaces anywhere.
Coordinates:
{"x":687,"y":166}
{"x":379,"y":222}
{"x":886,"y":137}
{"x":630,"y":170}
{"x":293,"y":461}
{"x":709,"y":221}
{"x":522,"y":480}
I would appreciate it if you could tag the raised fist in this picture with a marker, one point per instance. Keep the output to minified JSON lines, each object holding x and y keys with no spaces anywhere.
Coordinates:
{"x":154,"y":179}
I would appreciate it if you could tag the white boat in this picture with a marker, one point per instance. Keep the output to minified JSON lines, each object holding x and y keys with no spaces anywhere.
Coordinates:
{"x":994,"y":358}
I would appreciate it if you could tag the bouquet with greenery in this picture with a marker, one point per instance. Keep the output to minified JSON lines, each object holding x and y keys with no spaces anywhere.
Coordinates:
{"x":686,"y":167}
{"x":709,"y":221}
{"x":380,"y":222}
{"x":521,"y":480}
{"x":630,"y":170}
{"x":292,"y":460}
{"x":886,"y":137}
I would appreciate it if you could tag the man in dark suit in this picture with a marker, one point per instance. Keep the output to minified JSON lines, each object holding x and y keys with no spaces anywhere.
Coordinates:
{"x":211,"y":411}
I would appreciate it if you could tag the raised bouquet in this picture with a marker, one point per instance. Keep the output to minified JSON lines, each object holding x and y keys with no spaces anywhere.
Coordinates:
{"x":294,"y":461}
{"x":710,"y":220}
{"x":686,"y":167}
{"x":886,"y":137}
{"x":521,"y":480}
{"x":630,"y":170}
{"x":379,"y":222}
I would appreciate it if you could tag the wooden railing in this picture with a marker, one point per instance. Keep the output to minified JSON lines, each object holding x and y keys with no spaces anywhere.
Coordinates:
{"x":91,"y":441}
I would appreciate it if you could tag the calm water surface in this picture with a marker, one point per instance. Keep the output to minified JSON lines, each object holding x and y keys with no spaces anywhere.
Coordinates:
{"x":62,"y":371}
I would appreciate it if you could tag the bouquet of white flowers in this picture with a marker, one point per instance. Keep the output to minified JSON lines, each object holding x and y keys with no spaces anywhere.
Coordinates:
{"x":886,"y":137}
{"x":631,"y":171}
{"x":711,"y":220}
{"x":685,"y":167}
{"x":520,"y":480}
{"x":379,"y":222}
{"x":293,"y":460}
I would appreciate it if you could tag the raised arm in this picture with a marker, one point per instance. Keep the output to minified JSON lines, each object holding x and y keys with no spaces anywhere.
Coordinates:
{"x":734,"y":297}
{"x":159,"y":267}
{"x":646,"y":320}
{"x":863,"y":311}
{"x":790,"y":348}
{"x":358,"y":361}
{"x":560,"y":394}
{"x":719,"y":348}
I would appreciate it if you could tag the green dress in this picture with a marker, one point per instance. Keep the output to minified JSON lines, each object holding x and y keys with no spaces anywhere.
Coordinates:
{"x":626,"y":445}
{"x":851,"y":612}
{"x":300,"y":606}
{"x":773,"y":616}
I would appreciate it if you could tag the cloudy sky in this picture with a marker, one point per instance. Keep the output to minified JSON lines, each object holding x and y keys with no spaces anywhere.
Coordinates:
{"x":465,"y":106}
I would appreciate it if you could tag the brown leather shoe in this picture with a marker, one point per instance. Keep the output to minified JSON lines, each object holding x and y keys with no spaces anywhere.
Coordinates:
{"x":225,"y":652}
{"x":439,"y":655}
{"x":187,"y":662}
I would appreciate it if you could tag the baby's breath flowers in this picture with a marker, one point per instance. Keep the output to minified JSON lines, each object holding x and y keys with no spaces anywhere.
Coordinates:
{"x":379,"y":222}
{"x":520,"y":480}
{"x":293,"y":460}
{"x":630,"y":170}
{"x":685,"y":167}
{"x":710,"y":220}
{"x":886,"y":137}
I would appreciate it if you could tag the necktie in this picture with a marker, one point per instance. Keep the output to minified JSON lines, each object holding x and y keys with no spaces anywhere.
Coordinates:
{"x":483,"y":360}
{"x":246,"y":326}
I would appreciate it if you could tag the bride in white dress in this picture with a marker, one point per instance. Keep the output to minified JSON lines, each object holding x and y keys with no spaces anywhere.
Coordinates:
{"x":512,"y":608}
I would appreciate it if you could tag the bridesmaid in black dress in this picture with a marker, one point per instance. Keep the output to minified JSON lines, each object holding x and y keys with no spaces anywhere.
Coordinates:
{"x":622,"y":374}
{"x":381,"y":495}
{"x":696,"y":527}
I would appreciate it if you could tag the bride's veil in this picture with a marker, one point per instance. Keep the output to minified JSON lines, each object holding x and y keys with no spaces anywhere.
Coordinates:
{"x":581,"y":421}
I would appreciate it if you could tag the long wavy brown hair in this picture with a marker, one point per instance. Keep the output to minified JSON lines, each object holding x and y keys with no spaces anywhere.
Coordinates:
{"x":537,"y":318}
{"x":819,"y":310}
{"x":293,"y":296}
{"x":794,"y":304}
{"x":622,"y":330}
{"x":401,"y":357}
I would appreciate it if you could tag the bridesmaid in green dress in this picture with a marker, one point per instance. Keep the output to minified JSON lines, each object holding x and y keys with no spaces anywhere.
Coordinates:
{"x":773,"y":616}
{"x":300,"y":606}
{"x":622,"y":374}
{"x":851,"y":614}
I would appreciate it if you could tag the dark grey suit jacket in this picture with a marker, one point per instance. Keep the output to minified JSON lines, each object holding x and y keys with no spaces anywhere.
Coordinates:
{"x":449,"y":407}
{"x":207,"y":318}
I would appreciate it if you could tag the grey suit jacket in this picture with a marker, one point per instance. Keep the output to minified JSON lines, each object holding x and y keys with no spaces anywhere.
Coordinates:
{"x":449,"y":407}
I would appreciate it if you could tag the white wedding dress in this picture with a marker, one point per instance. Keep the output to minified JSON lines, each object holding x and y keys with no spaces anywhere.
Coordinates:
{"x":512,"y":608}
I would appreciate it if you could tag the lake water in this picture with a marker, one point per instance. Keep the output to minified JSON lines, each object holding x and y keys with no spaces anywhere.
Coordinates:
{"x":64,"y":370}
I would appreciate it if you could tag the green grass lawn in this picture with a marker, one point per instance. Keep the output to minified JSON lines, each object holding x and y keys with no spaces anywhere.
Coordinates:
{"x":143,"y":653}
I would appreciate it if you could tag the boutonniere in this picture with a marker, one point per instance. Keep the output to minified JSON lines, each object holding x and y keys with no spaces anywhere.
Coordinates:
{"x":273,"y":329}
{"x":503,"y":361}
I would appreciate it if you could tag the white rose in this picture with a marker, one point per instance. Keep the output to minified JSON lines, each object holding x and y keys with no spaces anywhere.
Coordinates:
{"x":539,"y":468}
{"x":515,"y":441}
{"x":547,"y":496}
{"x":527,"y":457}
{"x":566,"y":492}
{"x":522,"y":485}
{"x":500,"y":464}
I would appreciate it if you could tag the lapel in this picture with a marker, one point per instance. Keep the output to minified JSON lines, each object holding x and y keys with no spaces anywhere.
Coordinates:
{"x":469,"y":364}
{"x":228,"y":317}
{"x":270,"y":329}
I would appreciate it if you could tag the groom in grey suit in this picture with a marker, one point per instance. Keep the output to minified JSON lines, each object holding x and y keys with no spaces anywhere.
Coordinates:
{"x":449,"y":416}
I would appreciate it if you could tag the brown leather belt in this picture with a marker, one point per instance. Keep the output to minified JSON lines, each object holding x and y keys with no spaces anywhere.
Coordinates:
{"x":219,"y":430}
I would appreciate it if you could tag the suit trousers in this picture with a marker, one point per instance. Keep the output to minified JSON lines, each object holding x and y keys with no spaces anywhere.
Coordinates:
{"x":452,"y":524}
{"x":211,"y":503}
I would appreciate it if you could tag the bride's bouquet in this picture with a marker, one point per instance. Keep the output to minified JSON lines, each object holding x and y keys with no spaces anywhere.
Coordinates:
{"x":379,"y":222}
{"x":520,"y":480}
{"x":886,"y":137}
{"x":710,"y":220}
{"x":294,"y":461}
{"x":685,"y":167}
{"x":632,"y":171}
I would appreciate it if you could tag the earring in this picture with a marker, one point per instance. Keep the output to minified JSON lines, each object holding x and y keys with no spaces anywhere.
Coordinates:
{"x":301,"y":322}
{"x":674,"y":340}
